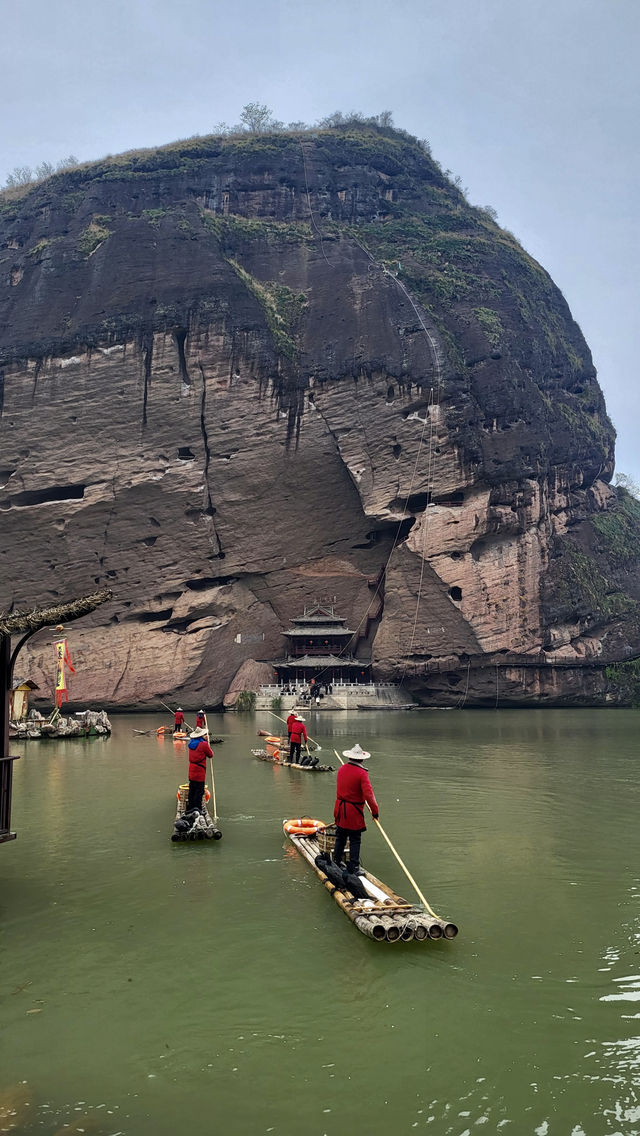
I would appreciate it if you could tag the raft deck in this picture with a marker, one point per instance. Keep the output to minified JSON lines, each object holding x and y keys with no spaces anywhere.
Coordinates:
{"x":384,"y":916}
{"x":262,"y":755}
{"x":203,"y":827}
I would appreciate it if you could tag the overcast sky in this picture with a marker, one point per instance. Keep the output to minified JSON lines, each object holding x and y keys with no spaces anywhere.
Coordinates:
{"x":534,"y":103}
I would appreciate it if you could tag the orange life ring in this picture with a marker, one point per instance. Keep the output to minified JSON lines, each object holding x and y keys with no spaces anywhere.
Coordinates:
{"x":303,"y":826}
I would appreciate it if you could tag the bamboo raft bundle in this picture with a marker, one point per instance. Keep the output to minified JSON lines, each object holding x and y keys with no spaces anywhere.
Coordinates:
{"x":203,"y":826}
{"x":385,"y":915}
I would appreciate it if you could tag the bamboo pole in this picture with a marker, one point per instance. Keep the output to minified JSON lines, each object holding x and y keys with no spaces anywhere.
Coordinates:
{"x":316,"y":744}
{"x":401,"y":863}
{"x":213,"y":784}
{"x":173,"y":712}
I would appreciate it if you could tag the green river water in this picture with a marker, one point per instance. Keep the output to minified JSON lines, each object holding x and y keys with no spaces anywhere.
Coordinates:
{"x":149,"y":988}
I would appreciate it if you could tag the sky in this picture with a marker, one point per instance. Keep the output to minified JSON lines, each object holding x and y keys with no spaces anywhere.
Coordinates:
{"x":535,"y":105}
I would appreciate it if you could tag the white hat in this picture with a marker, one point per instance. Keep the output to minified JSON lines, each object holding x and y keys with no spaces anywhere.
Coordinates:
{"x":356,"y":754}
{"x":198,"y":733}
{"x":299,"y":719}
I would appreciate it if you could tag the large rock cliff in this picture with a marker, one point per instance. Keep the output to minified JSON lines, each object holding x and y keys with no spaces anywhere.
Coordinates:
{"x":240,"y":374}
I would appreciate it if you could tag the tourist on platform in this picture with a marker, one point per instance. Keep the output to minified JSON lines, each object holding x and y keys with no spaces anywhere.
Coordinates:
{"x":199,"y":751}
{"x":298,"y":735}
{"x":201,"y":723}
{"x":353,"y":790}
{"x":178,"y":720}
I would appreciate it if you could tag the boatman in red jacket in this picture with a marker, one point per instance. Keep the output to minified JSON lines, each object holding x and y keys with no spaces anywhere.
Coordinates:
{"x":200,"y":720}
{"x":178,"y":721}
{"x":353,"y":790}
{"x":298,"y":734}
{"x":199,"y":751}
{"x":290,"y":720}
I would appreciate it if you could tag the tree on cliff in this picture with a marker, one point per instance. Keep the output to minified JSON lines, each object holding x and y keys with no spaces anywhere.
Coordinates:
{"x":24,"y":175}
{"x":258,"y":119}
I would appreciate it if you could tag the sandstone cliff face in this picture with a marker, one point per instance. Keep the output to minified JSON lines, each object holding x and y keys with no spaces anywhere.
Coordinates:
{"x":238,"y":375}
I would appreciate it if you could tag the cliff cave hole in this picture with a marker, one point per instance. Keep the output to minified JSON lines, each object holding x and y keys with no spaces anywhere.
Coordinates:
{"x":150,"y":541}
{"x":154,"y":616}
{"x":153,"y":521}
{"x":404,"y":528}
{"x":391,"y":393}
{"x":456,"y":556}
{"x":180,"y":337}
{"x":186,"y":454}
{"x":456,"y":593}
{"x":396,"y":450}
{"x":44,"y":496}
{"x":417,"y":502}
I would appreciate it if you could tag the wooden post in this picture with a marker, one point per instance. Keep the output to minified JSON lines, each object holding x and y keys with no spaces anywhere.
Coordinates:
{"x":6,"y":762}
{"x":213,"y":784}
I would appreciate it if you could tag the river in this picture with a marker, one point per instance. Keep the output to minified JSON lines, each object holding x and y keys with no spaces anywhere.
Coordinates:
{"x":148,"y":987}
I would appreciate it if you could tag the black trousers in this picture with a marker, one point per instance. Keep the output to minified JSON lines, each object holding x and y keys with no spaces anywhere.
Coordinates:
{"x":295,"y":750}
{"x":196,"y":793}
{"x":355,"y":840}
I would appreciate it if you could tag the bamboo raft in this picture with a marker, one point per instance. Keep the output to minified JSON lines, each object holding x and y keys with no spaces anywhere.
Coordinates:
{"x":262,"y":755}
{"x":203,"y":827}
{"x":385,"y":915}
{"x":277,"y":747}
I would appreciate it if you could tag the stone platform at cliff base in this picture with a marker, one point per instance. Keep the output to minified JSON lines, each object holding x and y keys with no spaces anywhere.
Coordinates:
{"x":364,"y":696}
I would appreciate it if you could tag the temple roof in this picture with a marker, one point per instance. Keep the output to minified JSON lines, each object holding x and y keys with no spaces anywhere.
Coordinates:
{"x":319,"y":630}
{"x":318,"y":613}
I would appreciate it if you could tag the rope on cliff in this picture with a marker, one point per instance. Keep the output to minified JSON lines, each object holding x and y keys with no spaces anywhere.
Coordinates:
{"x":425,"y":530}
{"x":437,"y":363}
{"x":462,"y":701}
{"x":313,"y":220}
{"x":429,"y":417}
{"x":343,"y":650}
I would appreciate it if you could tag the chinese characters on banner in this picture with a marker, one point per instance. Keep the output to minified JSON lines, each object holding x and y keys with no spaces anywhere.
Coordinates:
{"x":63,"y":660}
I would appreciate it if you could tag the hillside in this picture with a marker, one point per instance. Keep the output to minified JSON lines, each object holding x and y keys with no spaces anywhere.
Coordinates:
{"x":242,"y":373}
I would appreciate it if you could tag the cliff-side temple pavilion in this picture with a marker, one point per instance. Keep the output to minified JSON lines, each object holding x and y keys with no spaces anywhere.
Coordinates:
{"x":317,"y":649}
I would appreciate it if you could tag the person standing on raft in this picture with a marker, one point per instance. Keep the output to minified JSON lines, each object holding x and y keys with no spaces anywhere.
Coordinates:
{"x":200,"y":720}
{"x":178,"y":721}
{"x":290,"y":720}
{"x":298,"y":733}
{"x":199,"y":751}
{"x":353,"y":790}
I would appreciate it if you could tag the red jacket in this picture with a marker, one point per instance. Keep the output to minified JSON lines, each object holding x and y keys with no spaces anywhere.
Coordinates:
{"x":290,"y":720}
{"x":199,"y":751}
{"x":298,"y":732}
{"x":199,"y":721}
{"x":353,"y":789}
{"x":178,"y":719}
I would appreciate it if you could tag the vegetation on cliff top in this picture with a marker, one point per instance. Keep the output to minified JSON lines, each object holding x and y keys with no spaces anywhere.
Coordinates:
{"x":348,"y":176}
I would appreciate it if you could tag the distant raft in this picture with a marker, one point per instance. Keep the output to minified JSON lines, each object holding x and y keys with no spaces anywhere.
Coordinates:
{"x":377,"y":911}
{"x":197,"y":824}
{"x":276,"y":751}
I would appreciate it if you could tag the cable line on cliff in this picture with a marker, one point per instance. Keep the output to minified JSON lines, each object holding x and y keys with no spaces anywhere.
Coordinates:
{"x":437,"y":358}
